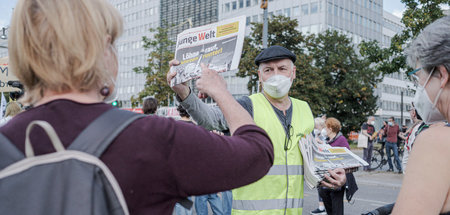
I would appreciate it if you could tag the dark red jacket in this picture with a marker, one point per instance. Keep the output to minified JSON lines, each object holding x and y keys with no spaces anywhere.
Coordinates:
{"x":157,"y":161}
{"x":392,"y":133}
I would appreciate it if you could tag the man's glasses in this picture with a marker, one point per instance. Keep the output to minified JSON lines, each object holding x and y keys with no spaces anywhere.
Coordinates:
{"x":414,"y":77}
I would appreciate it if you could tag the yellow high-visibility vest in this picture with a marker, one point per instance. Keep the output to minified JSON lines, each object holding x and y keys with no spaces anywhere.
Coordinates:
{"x":267,"y":196}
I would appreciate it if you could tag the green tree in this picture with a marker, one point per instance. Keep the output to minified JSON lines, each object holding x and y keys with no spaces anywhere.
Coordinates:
{"x":418,"y":14}
{"x":331,"y":77}
{"x":308,"y":85}
{"x":157,"y":67}
{"x":349,"y":79}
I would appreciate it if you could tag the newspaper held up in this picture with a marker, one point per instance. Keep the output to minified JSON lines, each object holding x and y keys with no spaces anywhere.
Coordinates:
{"x":218,"y":45}
{"x":319,"y":158}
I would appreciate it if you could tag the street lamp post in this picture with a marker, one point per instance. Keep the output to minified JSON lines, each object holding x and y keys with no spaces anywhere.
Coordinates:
{"x":401,"y":108}
{"x":264,"y":4}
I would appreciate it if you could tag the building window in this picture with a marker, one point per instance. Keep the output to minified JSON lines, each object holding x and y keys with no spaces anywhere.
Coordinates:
{"x":241,"y":3}
{"x":278,"y":13}
{"x":330,"y":8}
{"x":247,"y":21}
{"x":255,"y":2}
{"x":287,"y":12}
{"x":314,"y":7}
{"x":227,"y":7}
{"x":255,"y":18}
{"x":305,"y":9}
{"x":296,"y":11}
{"x":336,"y":10}
{"x":248,"y":3}
{"x":234,"y":5}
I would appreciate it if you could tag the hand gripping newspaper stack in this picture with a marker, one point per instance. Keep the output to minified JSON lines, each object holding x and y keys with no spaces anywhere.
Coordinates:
{"x":319,"y":158}
{"x":217,"y":45}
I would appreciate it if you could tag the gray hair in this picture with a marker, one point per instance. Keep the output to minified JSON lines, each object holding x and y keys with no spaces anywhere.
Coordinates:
{"x":431,"y":48}
{"x":319,"y":121}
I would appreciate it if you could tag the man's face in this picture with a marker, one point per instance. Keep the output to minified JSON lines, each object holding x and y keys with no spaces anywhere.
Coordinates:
{"x":276,"y":67}
{"x":390,"y":120}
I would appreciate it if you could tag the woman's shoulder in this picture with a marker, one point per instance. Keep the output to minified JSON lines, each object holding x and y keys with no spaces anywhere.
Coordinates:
{"x":437,"y":136}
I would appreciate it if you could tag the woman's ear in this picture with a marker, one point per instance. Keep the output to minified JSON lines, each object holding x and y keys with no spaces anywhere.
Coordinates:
{"x":444,"y":75}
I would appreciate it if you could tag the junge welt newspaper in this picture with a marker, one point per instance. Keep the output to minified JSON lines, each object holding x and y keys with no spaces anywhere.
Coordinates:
{"x":218,"y":45}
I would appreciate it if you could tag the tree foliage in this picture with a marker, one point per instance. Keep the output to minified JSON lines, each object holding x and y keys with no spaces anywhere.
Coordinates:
{"x":157,"y":67}
{"x":418,"y":14}
{"x":331,"y":76}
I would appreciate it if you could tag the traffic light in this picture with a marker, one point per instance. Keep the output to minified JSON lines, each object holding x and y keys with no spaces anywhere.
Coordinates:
{"x":115,"y":103}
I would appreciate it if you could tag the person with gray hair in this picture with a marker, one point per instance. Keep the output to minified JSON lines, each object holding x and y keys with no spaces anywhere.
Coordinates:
{"x":426,"y":186}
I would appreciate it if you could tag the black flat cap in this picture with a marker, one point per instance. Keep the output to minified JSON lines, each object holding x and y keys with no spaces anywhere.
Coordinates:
{"x":274,"y":53}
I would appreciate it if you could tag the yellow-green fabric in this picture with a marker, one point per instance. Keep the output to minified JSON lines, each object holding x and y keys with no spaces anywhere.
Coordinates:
{"x":268,"y":195}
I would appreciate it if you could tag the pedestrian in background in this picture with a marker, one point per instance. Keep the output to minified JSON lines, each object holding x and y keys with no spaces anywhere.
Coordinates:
{"x":150,"y":106}
{"x":12,"y":108}
{"x":368,"y":129}
{"x":319,"y":126}
{"x":333,"y":199}
{"x":410,"y":135}
{"x":426,"y":185}
{"x":392,"y":130}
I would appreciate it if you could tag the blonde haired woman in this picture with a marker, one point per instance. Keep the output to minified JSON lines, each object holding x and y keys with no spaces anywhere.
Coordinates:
{"x":63,"y":52}
{"x":12,"y":109}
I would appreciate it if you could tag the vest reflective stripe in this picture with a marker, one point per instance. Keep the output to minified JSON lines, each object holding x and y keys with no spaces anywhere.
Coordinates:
{"x":266,"y":204}
{"x":267,"y":195}
{"x":281,"y":170}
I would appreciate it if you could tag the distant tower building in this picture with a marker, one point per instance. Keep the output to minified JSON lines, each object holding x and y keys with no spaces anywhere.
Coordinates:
{"x":138,"y":16}
{"x":179,"y":15}
{"x":359,"y":19}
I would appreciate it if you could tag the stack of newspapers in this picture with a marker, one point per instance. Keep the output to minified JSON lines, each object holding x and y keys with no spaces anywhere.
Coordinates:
{"x":319,"y":158}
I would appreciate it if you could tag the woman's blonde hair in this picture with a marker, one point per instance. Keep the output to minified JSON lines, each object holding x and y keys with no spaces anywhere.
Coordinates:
{"x":12,"y":109}
{"x":60,"y":45}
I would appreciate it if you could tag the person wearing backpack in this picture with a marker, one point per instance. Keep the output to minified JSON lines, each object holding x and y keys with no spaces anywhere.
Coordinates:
{"x":63,"y":51}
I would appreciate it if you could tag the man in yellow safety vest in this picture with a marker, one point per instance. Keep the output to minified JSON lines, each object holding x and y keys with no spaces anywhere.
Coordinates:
{"x":284,"y":118}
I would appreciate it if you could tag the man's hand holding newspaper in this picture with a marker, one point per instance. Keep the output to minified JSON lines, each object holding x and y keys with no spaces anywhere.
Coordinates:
{"x":319,"y":159}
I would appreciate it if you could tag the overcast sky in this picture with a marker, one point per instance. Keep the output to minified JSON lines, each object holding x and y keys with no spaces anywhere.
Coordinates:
{"x":393,"y":6}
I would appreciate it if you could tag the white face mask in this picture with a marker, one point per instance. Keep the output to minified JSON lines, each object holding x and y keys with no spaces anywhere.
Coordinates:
{"x":427,"y":110}
{"x":277,"y":86}
{"x":323,"y":132}
{"x":390,"y":123}
{"x":372,"y":122}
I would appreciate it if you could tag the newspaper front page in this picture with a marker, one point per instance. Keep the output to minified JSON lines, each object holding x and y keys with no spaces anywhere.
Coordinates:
{"x":218,"y":45}
{"x":319,"y":158}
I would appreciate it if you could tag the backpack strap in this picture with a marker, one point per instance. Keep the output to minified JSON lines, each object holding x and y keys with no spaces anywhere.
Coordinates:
{"x":9,"y":153}
{"x":98,"y":135}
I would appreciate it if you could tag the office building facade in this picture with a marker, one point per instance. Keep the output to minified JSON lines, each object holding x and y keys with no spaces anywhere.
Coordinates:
{"x":392,"y":87}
